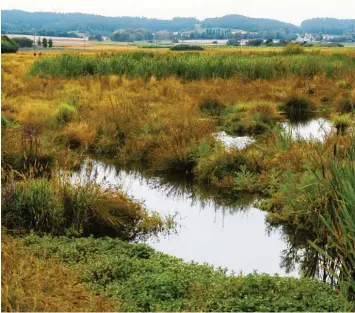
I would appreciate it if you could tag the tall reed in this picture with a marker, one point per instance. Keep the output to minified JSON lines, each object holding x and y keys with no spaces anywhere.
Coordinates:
{"x":194,"y":66}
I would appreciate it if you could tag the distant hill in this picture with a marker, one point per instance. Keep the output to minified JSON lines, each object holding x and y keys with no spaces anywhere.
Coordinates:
{"x":61,"y":24}
{"x":328,"y":26}
{"x":22,"y":21}
{"x":248,"y":24}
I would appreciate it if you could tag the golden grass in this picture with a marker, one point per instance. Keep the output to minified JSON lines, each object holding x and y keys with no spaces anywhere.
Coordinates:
{"x":32,"y":285}
{"x":142,"y":118}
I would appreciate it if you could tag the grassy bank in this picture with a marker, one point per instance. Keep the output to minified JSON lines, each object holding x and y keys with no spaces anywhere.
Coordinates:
{"x":141,"y":279}
{"x":59,"y":206}
{"x":29,"y":284}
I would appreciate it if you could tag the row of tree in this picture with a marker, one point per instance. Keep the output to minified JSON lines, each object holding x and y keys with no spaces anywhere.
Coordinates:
{"x":45,"y":42}
{"x":130,"y":35}
{"x":212,"y":33}
{"x":24,"y":42}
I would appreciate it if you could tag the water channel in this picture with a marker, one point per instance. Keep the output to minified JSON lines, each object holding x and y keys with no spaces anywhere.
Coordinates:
{"x":214,"y":230}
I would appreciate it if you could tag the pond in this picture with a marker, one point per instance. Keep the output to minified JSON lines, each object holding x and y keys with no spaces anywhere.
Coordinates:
{"x":233,"y":141}
{"x":316,"y":129}
{"x":219,"y":231}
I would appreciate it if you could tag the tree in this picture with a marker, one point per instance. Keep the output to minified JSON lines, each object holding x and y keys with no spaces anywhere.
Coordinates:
{"x":23,"y":42}
{"x":50,"y":43}
{"x":44,"y":43}
{"x":8,"y":45}
{"x":98,"y":37}
{"x":233,"y":42}
{"x":255,"y":42}
{"x":269,"y":42}
{"x":39,"y":41}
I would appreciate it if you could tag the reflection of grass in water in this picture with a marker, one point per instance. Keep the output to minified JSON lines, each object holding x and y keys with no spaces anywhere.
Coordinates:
{"x":184,"y":187}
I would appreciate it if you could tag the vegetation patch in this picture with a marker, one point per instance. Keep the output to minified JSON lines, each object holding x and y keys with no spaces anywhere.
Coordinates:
{"x":8,"y":45}
{"x":297,"y":108}
{"x":194,"y":66}
{"x":184,"y":47}
{"x":29,"y":284}
{"x":141,"y":279}
{"x":57,"y":207}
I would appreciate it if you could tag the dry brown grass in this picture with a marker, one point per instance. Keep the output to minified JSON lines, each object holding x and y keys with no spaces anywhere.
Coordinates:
{"x":32,"y":285}
{"x":144,"y":115}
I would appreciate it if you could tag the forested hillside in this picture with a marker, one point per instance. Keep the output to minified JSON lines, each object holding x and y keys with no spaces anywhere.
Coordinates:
{"x":66,"y":24}
{"x":328,"y":26}
{"x":248,"y":23}
{"x":15,"y":20}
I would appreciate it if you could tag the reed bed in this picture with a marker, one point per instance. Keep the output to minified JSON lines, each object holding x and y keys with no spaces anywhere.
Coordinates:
{"x":194,"y":66}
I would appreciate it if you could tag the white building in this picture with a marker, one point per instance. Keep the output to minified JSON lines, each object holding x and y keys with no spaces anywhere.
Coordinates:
{"x":305,"y":38}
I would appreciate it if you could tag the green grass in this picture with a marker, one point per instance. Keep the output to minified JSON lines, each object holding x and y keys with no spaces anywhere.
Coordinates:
{"x":340,"y":225}
{"x":59,"y":207}
{"x":142,"y":280}
{"x":194,"y":66}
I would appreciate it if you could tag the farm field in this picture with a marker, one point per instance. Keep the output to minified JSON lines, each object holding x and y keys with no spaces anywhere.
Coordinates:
{"x":215,"y":180}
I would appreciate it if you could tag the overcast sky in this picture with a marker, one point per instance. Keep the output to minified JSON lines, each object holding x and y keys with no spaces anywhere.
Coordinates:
{"x":293,"y":11}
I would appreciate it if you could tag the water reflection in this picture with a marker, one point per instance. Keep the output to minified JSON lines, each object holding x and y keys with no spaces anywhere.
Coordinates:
{"x":234,"y":142}
{"x":214,"y":229}
{"x":317,"y":129}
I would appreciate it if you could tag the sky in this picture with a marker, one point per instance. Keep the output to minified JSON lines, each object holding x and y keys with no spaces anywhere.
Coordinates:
{"x":293,"y":11}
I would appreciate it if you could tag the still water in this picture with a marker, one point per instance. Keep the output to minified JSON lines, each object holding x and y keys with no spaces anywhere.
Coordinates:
{"x":316,"y":129}
{"x":226,"y":233}
{"x":234,"y":141}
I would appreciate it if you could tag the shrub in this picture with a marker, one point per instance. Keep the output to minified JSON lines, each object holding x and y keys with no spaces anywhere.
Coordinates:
{"x":255,"y":42}
{"x":293,"y":48}
{"x":233,"y":42}
{"x":65,"y":113}
{"x":342,"y":123}
{"x":331,"y":45}
{"x":8,"y":45}
{"x":220,"y":168}
{"x":184,"y":47}
{"x":297,"y":107}
{"x":344,"y":105}
{"x":212,"y":106}
{"x":263,"y":112}
{"x":79,"y":135}
{"x":23,"y":42}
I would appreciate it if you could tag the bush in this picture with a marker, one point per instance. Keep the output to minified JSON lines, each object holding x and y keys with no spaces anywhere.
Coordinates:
{"x":344,"y":105}
{"x":233,"y":42}
{"x":65,"y":113}
{"x":342,"y":123}
{"x":331,"y":45}
{"x":297,"y":107}
{"x":23,"y":42}
{"x":8,"y":45}
{"x":212,"y":106}
{"x":184,"y":47}
{"x":293,"y":48}
{"x":255,"y":42}
{"x":220,"y":168}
